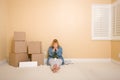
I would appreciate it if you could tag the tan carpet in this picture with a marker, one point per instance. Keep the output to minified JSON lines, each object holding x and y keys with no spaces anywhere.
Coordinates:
{"x":76,"y":71}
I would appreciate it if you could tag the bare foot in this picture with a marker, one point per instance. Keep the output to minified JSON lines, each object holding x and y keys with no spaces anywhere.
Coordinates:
{"x":55,"y":68}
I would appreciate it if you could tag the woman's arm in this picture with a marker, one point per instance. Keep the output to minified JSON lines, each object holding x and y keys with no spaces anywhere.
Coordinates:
{"x":59,"y":52}
{"x":50,"y":52}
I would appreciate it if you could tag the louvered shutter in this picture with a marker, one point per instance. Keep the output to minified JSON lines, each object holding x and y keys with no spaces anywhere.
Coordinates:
{"x":113,"y":21}
{"x":101,"y":22}
{"x":116,"y":21}
{"x":117,"y":17}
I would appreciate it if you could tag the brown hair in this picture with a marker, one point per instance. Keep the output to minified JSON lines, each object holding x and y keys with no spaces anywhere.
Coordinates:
{"x":55,"y":41}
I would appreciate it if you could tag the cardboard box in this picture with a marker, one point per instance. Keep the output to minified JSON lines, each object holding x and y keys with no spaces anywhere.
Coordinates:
{"x":19,"y":36}
{"x":34,"y":47}
{"x":14,"y":59}
{"x":19,"y":47}
{"x":38,"y":57}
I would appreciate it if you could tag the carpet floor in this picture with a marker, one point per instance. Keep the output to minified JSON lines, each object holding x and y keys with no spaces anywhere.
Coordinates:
{"x":76,"y":71}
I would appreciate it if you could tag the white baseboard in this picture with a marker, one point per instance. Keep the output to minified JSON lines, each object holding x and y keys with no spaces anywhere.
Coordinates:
{"x":74,"y":60}
{"x":3,"y":61}
{"x":114,"y":61}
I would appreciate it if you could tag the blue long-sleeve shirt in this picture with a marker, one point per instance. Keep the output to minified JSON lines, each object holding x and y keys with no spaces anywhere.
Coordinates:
{"x":51,"y":54}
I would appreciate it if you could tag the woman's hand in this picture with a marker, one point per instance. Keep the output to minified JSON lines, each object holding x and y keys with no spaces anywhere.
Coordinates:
{"x":55,"y":49}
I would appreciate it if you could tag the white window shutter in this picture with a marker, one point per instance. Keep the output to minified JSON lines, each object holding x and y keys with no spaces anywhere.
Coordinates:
{"x":117,"y":17}
{"x":113,"y":21}
{"x":101,"y":22}
{"x":116,"y":21}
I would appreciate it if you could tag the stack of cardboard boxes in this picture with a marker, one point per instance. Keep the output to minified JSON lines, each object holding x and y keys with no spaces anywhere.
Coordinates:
{"x":35,"y":50}
{"x":22,"y":52}
{"x":19,"y":49}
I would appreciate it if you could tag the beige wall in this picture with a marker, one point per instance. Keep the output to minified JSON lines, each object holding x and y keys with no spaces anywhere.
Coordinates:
{"x":115,"y":50}
{"x":3,"y":26}
{"x":113,"y":1}
{"x":67,"y":20}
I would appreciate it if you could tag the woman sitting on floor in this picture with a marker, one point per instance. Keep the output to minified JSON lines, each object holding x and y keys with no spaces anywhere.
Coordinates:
{"x":55,"y":59}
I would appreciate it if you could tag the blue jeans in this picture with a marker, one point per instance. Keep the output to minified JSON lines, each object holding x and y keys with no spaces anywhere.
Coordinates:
{"x":58,"y":58}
